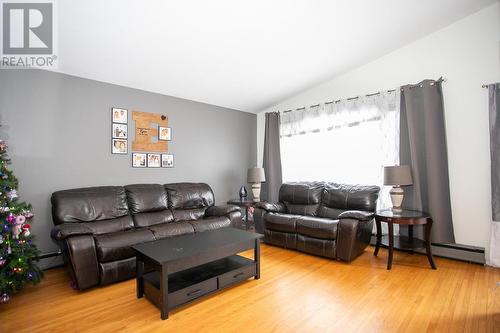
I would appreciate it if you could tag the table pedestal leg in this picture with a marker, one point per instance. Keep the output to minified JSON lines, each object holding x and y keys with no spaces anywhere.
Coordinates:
{"x":391,"y":245}
{"x":428,"y":251}
{"x":379,"y":237}
{"x":256,"y":255}
{"x":139,"y":271}
{"x":164,"y":292}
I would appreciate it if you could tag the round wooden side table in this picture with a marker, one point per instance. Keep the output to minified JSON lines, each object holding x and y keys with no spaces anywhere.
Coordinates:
{"x":243,"y":203}
{"x":404,"y":217}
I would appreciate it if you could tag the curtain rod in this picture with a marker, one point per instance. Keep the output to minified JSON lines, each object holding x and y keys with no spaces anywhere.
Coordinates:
{"x":356,"y":97}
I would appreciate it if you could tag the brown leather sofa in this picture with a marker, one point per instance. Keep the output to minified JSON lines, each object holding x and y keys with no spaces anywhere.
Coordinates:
{"x":325,"y":219}
{"x":97,"y":226}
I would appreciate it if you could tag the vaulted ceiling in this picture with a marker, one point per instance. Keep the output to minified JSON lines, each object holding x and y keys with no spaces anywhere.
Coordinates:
{"x":244,"y":55}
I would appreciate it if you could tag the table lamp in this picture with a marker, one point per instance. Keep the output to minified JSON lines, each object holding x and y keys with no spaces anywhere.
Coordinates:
{"x":255,"y":176}
{"x":397,"y":176}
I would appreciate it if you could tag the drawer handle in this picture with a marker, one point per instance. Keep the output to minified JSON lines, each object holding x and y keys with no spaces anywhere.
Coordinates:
{"x":238,"y":275}
{"x":194,"y":292}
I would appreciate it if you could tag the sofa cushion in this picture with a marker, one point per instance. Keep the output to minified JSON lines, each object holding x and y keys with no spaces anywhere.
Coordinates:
{"x":171,"y":229}
{"x":189,"y":214}
{"x":106,"y":226}
{"x":317,"y":227}
{"x":89,"y":204}
{"x":284,"y":239}
{"x":117,"y":245}
{"x":152,"y":218}
{"x":303,"y":193}
{"x":210,"y":223}
{"x":281,"y":222}
{"x":189,"y":195}
{"x":146,"y":198}
{"x":320,"y":247}
{"x":308,"y":210}
{"x":301,"y":198}
{"x":350,"y":197}
{"x":327,"y":212}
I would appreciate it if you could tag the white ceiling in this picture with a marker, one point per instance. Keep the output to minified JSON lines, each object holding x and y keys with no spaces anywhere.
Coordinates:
{"x":245,"y":55}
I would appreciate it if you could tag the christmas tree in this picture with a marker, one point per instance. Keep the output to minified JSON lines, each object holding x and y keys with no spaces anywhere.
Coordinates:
{"x":18,"y":253}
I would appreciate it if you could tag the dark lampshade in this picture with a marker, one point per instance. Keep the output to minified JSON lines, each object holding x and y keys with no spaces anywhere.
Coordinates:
{"x":256,"y":175}
{"x":398,"y":175}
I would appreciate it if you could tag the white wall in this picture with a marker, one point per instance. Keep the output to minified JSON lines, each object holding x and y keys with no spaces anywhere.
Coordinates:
{"x":467,"y":54}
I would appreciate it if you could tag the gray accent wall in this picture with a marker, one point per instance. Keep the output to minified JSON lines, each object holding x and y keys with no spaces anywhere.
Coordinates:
{"x":58,"y":128}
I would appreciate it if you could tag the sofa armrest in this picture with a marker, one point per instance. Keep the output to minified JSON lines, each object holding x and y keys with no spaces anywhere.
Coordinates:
{"x":357,"y":214}
{"x":271,"y":207}
{"x":222,"y":210}
{"x":353,"y":236}
{"x":62,"y":231}
{"x":81,"y":258}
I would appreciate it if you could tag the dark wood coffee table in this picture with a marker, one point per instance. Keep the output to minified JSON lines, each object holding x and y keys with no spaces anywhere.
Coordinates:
{"x":184,"y":268}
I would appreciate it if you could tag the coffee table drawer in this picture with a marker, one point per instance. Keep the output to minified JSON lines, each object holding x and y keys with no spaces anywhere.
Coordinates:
{"x":239,"y":274}
{"x":192,"y":292}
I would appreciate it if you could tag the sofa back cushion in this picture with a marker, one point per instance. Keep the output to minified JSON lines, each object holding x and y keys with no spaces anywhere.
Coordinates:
{"x":144,"y":198}
{"x":341,"y":197}
{"x":189,"y":196}
{"x":89,"y":204}
{"x":188,"y":201}
{"x":149,"y":204}
{"x":301,"y":198}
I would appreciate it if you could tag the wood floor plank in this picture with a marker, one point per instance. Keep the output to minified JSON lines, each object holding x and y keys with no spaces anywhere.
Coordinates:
{"x":296,"y":293}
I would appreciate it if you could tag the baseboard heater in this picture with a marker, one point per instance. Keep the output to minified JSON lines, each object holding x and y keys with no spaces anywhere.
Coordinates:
{"x":471,"y":254}
{"x":49,"y":254}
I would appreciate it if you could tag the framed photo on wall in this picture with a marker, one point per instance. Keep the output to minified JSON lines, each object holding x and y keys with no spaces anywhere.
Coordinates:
{"x":167,"y":160}
{"x":119,"y":131}
{"x":139,"y":160}
{"x":164,"y":133}
{"x":119,"y":115}
{"x":154,"y":160}
{"x":119,"y":146}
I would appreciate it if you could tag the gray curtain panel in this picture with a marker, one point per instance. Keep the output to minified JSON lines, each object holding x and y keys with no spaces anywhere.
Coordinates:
{"x":494,"y":102}
{"x":272,"y":158}
{"x":423,"y":147}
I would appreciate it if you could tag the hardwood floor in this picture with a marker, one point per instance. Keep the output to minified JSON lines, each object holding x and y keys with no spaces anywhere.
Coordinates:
{"x":296,"y":293}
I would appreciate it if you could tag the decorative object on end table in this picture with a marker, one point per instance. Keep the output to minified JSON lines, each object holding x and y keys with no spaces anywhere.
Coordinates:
{"x":255,"y":176}
{"x":397,"y":176}
{"x":243,"y":192}
{"x":17,"y":250}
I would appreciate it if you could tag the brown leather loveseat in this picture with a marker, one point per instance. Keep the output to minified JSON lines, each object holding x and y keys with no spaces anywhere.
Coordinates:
{"x":325,"y":219}
{"x":97,"y":226}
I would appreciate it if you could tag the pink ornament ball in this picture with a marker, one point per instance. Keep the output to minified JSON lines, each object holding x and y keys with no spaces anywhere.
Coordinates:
{"x":20,"y":219}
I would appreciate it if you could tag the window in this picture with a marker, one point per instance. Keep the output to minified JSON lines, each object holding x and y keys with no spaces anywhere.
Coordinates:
{"x":344,"y":142}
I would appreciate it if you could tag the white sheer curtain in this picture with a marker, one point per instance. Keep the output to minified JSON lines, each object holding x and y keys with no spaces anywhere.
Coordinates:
{"x":347,"y":141}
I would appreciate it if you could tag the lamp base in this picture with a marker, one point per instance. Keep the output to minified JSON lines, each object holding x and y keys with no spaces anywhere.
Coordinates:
{"x":397,"y":195}
{"x":256,"y":192}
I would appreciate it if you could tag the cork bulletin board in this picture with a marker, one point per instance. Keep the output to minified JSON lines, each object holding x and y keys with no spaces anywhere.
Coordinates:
{"x":146,"y":132}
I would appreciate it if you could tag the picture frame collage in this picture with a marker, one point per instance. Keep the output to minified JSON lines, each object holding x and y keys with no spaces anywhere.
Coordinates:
{"x":119,"y":131}
{"x":119,"y":142}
